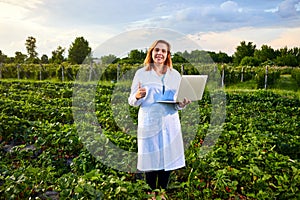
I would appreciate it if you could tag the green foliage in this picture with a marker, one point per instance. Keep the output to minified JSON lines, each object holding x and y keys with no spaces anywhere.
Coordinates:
{"x":269,"y":75}
{"x":250,"y":61}
{"x":3,"y":57}
{"x":233,"y":75}
{"x":44,"y":59}
{"x":58,"y":55}
{"x":176,"y":58}
{"x":296,"y":75}
{"x":264,"y":54}
{"x":137,"y":56}
{"x":109,"y":59}
{"x":195,"y":56}
{"x":20,"y":58}
{"x":287,"y":60}
{"x":42,"y":156}
{"x":79,"y":50}
{"x":31,"y":50}
{"x":220,"y":57}
{"x":242,"y":51}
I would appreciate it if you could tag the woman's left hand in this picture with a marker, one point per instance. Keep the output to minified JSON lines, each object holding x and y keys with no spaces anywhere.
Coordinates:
{"x":184,"y":103}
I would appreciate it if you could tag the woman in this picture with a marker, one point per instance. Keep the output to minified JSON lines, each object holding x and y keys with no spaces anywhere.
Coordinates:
{"x":160,"y":144}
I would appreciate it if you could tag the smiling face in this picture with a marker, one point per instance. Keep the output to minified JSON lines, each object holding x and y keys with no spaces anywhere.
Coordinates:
{"x":160,"y":53}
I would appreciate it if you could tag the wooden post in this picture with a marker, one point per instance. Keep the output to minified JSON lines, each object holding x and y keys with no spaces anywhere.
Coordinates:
{"x":18,"y":71}
{"x":41,"y":71}
{"x":182,"y":69}
{"x":266,"y":77}
{"x":1,"y":70}
{"x":62,"y":74}
{"x":91,"y":70}
{"x":242,"y":74}
{"x":118,"y":72}
{"x":223,"y":75}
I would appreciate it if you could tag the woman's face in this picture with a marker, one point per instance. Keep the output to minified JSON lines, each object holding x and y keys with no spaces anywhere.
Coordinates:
{"x":160,"y":53}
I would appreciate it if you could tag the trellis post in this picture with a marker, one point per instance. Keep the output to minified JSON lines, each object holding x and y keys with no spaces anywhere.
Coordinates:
{"x":62,"y":74}
{"x":242,"y":74}
{"x":91,"y":70}
{"x":182,"y":69}
{"x":1,"y":70}
{"x":41,"y":71}
{"x":223,"y":75}
{"x":118,"y":72}
{"x":266,"y":77}
{"x":18,"y":70}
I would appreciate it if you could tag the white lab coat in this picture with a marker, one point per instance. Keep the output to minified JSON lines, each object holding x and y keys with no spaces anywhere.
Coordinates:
{"x":160,"y":144}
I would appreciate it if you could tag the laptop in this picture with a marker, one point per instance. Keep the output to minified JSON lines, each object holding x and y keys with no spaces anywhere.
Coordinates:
{"x":191,"y":87}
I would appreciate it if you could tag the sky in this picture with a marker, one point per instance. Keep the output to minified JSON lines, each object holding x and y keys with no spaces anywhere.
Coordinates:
{"x":217,"y":25}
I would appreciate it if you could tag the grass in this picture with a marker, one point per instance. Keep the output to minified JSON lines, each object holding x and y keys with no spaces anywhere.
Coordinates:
{"x":286,"y":82}
{"x":285,"y":86}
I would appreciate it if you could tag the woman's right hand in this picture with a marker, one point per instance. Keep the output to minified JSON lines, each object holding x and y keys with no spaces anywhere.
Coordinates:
{"x":141,"y":93}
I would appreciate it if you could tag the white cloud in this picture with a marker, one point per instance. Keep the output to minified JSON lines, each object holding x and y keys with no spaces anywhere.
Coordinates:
{"x":227,"y":41}
{"x":287,"y":8}
{"x":230,"y":6}
{"x":29,"y":4}
{"x":289,"y":37}
{"x":58,"y":23}
{"x":297,"y":6}
{"x":8,"y":9}
{"x":211,"y":17}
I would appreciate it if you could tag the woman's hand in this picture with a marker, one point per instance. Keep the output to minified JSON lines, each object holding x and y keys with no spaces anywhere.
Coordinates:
{"x":141,"y":93}
{"x":184,"y":103}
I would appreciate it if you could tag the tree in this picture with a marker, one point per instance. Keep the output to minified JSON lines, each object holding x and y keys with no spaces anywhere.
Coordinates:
{"x":296,"y":52}
{"x":266,"y":53}
{"x":177,"y":58}
{"x":44,"y":59}
{"x":250,"y":61}
{"x":287,"y":60}
{"x":31,"y":49}
{"x":109,"y":59}
{"x":3,"y":57}
{"x":220,"y":57}
{"x":224,"y":58}
{"x":242,"y":51}
{"x":287,"y":57}
{"x":20,"y":57}
{"x":58,"y":55}
{"x":137,"y":56}
{"x":79,"y":50}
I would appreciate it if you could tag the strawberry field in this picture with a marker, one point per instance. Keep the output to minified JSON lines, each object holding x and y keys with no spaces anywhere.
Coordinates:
{"x":42,"y":155}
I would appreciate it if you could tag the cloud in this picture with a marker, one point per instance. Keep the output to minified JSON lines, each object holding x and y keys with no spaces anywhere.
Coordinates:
{"x":55,"y":23}
{"x":29,"y":4}
{"x":194,"y":18}
{"x":288,"y":37}
{"x":215,"y":17}
{"x":227,"y":41}
{"x":92,"y":12}
{"x":288,"y":8}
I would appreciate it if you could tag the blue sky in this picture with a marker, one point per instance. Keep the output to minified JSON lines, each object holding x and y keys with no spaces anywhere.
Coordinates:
{"x":218,"y":25}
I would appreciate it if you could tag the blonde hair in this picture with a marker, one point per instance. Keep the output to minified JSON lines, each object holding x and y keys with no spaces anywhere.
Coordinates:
{"x":148,"y":62}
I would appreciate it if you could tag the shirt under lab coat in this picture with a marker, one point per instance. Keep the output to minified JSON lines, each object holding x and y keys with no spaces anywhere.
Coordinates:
{"x":160,"y":144}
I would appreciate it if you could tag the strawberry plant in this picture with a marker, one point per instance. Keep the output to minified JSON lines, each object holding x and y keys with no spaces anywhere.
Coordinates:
{"x":255,"y":157}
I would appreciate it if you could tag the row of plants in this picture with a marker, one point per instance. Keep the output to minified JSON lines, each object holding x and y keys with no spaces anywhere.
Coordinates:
{"x":66,"y":72}
{"x":45,"y":154}
{"x":296,"y":75}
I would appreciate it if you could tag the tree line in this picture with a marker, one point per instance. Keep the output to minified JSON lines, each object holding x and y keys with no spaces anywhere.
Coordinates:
{"x":77,"y":53}
{"x":246,"y":54}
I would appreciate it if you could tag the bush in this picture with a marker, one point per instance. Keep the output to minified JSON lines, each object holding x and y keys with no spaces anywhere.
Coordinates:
{"x":296,"y":75}
{"x":267,"y":81}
